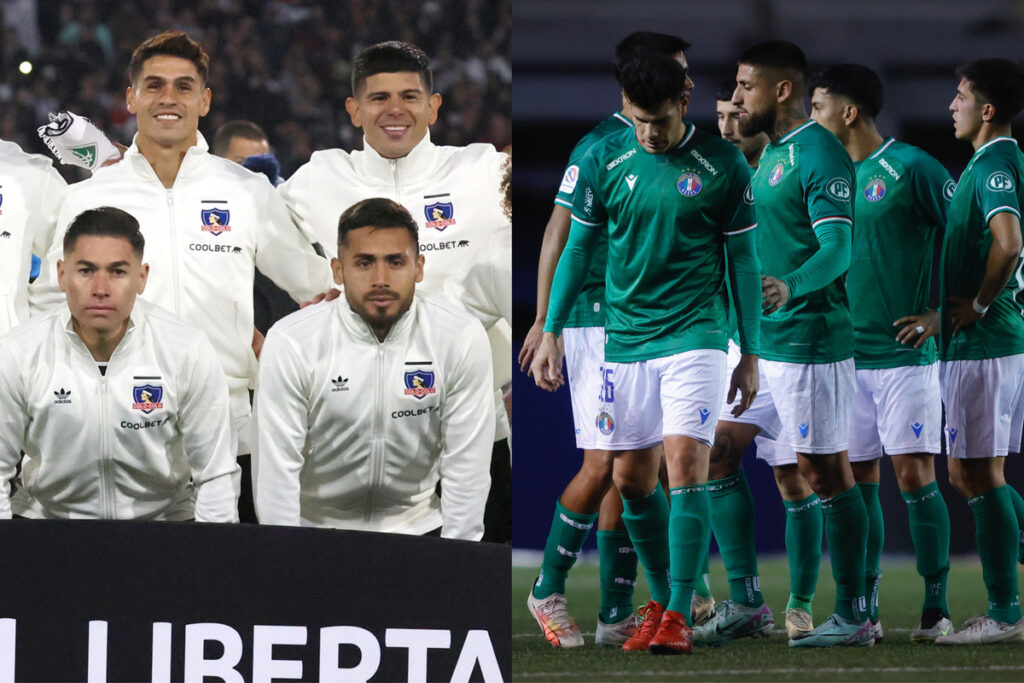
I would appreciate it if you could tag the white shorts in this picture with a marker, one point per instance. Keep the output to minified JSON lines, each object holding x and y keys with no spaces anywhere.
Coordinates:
{"x":813,"y":402}
{"x":774,"y":453}
{"x":584,"y":360}
{"x":984,"y":406}
{"x":761,"y":413}
{"x":896,"y":409}
{"x":677,"y":395}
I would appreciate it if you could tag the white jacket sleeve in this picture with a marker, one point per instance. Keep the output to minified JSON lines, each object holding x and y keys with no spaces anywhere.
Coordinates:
{"x":13,"y":421}
{"x":44,"y":294}
{"x":284,"y":253}
{"x":484,"y":286}
{"x":206,"y":437}
{"x":282,"y":410}
{"x":467,"y":436}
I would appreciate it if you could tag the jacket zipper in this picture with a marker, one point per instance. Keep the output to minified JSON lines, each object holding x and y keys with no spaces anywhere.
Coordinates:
{"x":377,"y":440}
{"x":174,"y":251}
{"x":105,"y":484}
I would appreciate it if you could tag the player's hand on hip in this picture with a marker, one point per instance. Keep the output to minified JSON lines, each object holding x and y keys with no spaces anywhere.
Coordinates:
{"x":774,"y":294}
{"x":745,"y":380}
{"x":530,"y":345}
{"x":961,"y":313}
{"x":546,"y":368}
{"x":917,"y":329}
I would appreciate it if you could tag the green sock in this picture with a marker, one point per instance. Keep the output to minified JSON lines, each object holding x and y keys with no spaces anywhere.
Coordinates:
{"x":998,"y":535}
{"x":732,"y":521}
{"x":803,"y":548}
{"x":1018,"y":510}
{"x":565,"y":540}
{"x":929,"y":530}
{"x":618,"y":575}
{"x":646,"y":519}
{"x":846,"y":529}
{"x":703,"y":588}
{"x":876,"y":539}
{"x":688,"y":539}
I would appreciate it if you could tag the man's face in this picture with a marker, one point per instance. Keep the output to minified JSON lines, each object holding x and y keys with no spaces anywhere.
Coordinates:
{"x":729,"y":127}
{"x":168,"y":99}
{"x":966,"y":108}
{"x":379,"y":268}
{"x":239,"y":149}
{"x":101,"y":277}
{"x":756,"y":99}
{"x":827,"y":109}
{"x":394,"y":110}
{"x":659,"y":129}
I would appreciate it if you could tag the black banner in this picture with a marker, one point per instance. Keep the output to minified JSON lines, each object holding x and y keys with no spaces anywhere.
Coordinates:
{"x":141,"y":601}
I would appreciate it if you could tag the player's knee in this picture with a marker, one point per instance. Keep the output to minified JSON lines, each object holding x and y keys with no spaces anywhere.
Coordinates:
{"x":724,"y":459}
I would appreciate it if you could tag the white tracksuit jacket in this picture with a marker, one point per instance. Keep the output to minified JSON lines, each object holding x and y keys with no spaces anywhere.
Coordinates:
{"x":204,"y":236}
{"x":31,"y":193}
{"x":150,"y":439}
{"x":453,"y":193}
{"x":354,"y":433}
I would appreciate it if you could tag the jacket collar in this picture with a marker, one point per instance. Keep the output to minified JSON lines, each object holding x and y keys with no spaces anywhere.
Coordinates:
{"x":358,"y":328}
{"x":419,"y":162}
{"x":195,"y":158}
{"x":138,"y":312}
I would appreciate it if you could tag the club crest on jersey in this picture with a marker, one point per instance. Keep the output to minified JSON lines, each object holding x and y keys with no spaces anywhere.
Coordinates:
{"x":216,"y":221}
{"x":147,"y":398}
{"x":439,"y":215}
{"x":419,"y":383}
{"x":605,"y":423}
{"x":689,"y":184}
{"x":875,"y":190}
{"x":775,"y":177}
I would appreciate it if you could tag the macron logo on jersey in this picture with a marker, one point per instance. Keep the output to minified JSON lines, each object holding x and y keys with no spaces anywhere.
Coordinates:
{"x":631,"y":181}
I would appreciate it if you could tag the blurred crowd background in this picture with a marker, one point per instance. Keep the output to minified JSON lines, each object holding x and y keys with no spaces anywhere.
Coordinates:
{"x":284,"y":64}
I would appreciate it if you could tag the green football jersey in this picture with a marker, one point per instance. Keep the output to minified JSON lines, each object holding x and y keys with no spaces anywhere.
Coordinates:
{"x":803,"y":181}
{"x":991,"y":183}
{"x":899,"y":209}
{"x":667,"y":216}
{"x":586,"y":312}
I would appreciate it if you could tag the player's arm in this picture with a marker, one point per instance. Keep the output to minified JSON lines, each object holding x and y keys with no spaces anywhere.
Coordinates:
{"x":744,"y":272}
{"x":13,"y":422}
{"x":467,"y":436}
{"x":206,"y":437}
{"x":1003,"y":256}
{"x":281,"y":410}
{"x":44,"y":294}
{"x":556,"y":233}
{"x":285,"y":254}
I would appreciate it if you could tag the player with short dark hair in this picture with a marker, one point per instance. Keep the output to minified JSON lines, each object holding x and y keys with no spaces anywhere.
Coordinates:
{"x":802,"y":191}
{"x":662,"y":188}
{"x":901,"y":200}
{"x":238,"y":140}
{"x":981,"y":339}
{"x":393,"y":56}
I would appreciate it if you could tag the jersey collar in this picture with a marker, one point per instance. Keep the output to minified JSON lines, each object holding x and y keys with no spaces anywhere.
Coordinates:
{"x":999,"y":139}
{"x":882,"y":148}
{"x":687,"y":136}
{"x":195,"y":158}
{"x":358,"y":328}
{"x":785,"y":138}
{"x":420,"y":161}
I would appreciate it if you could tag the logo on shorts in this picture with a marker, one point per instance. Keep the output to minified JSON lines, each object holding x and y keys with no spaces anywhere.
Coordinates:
{"x":775,"y":177}
{"x":605,"y":423}
{"x":216,"y":221}
{"x":147,"y":398}
{"x":439,"y":215}
{"x":419,"y":383}
{"x":917,"y":427}
{"x":952,"y":435}
{"x":704,"y":412}
{"x":689,"y":184}
{"x":875,"y":190}
{"x":803,"y":427}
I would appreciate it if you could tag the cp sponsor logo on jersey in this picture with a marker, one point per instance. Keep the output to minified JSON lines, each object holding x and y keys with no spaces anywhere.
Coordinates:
{"x":838,"y":188}
{"x":572,"y":174}
{"x":775,"y":177}
{"x":147,"y":398}
{"x":605,"y":423}
{"x":948,"y":189}
{"x":875,"y":190}
{"x":419,"y":383}
{"x":216,"y":221}
{"x":1000,"y":181}
{"x":439,"y":215}
{"x":689,"y":184}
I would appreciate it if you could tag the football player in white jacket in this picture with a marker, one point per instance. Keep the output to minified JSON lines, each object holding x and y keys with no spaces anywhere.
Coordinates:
{"x":453,"y":193}
{"x":364,"y":403}
{"x":120,"y":408}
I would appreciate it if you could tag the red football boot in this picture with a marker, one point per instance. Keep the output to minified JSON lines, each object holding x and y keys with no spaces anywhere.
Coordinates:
{"x":642,"y":638}
{"x":674,"y":637}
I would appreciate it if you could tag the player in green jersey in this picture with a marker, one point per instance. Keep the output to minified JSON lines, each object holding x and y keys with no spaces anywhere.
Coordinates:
{"x":901,"y":199}
{"x":671,"y":200}
{"x":590,"y":495}
{"x":981,"y":342}
{"x":745,"y":613}
{"x":802,"y":189}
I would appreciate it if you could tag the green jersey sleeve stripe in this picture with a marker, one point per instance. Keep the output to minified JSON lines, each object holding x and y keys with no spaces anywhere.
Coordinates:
{"x":622,"y":118}
{"x":741,"y":230}
{"x":827,"y":219}
{"x":588,"y":224}
{"x":1001,"y":209}
{"x":562,"y":202}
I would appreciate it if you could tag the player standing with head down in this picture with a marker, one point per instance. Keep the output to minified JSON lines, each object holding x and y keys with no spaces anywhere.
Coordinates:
{"x":671,"y":200}
{"x":981,"y":344}
{"x":802,"y":191}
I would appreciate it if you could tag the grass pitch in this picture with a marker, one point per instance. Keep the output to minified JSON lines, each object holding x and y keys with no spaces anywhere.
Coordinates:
{"x":895,"y":659}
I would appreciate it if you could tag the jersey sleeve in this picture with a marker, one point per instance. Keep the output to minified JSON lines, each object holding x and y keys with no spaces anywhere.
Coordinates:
{"x":933,"y":189}
{"x":826,"y":175}
{"x":996,"y":184}
{"x":570,"y":178}
{"x":739,"y":205}
{"x":13,"y":421}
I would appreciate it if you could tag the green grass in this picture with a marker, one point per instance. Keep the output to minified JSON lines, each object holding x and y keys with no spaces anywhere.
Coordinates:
{"x":895,"y":659}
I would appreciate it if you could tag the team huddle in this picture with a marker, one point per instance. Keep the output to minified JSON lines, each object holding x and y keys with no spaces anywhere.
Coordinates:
{"x":126,"y":367}
{"x":774,"y":286}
